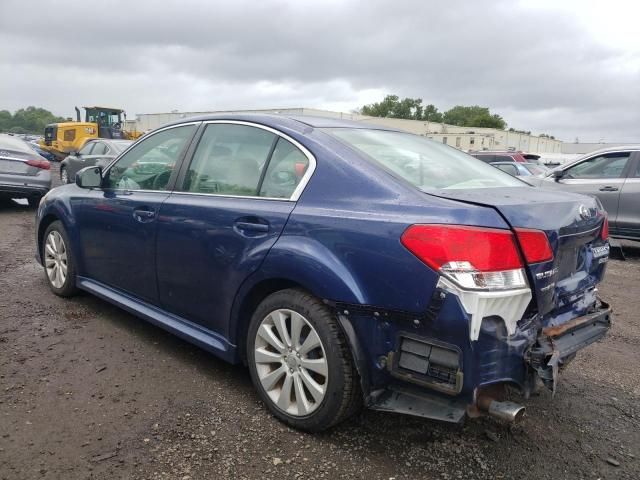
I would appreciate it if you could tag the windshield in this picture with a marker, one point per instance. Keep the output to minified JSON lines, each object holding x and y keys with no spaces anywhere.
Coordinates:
{"x":425,"y":163}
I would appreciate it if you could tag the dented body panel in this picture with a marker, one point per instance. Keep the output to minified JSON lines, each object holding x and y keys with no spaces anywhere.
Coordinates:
{"x":420,"y":342}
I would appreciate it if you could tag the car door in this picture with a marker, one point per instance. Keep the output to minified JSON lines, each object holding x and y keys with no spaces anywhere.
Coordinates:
{"x":601,"y":175}
{"x":117,"y":223}
{"x":628,"y":219}
{"x":78,"y":161}
{"x":229,"y":207}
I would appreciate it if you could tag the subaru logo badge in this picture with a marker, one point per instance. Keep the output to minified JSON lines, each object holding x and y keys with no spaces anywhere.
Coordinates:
{"x":585,"y":213}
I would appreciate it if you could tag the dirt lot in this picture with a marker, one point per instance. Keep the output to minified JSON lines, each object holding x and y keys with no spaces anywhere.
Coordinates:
{"x":89,"y":391}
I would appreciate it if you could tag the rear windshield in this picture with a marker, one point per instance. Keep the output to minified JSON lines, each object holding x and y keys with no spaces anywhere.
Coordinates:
{"x":427,"y":164}
{"x":121,"y":145}
{"x":9,"y":142}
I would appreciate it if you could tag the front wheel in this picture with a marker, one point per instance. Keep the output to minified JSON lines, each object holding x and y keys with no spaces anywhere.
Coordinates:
{"x":300,"y":362}
{"x":59,"y":266}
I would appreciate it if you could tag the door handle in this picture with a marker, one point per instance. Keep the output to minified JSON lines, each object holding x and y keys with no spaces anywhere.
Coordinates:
{"x":144,"y":215}
{"x":609,"y":188}
{"x":251,"y":227}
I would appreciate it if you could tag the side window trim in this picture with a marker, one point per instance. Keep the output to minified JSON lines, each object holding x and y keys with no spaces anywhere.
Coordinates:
{"x":188,"y":158}
{"x":265,"y":167}
{"x":181,"y":160}
{"x":637,"y":168}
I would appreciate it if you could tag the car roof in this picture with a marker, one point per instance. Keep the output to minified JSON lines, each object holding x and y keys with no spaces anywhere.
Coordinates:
{"x":618,"y":148}
{"x":297,"y":122}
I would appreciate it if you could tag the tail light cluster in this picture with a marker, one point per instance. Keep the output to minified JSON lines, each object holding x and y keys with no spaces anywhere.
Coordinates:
{"x":604,"y":233}
{"x":478,"y":258}
{"x":41,"y":164}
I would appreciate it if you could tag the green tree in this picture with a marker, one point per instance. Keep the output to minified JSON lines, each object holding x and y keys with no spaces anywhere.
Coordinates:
{"x":27,"y":120}
{"x":474,"y":116}
{"x":393,"y":107}
{"x":412,"y":109}
{"x":431,"y":114}
{"x":5,"y":120}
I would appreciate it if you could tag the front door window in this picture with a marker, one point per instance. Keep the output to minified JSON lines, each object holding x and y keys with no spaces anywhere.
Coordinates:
{"x":150,"y":163}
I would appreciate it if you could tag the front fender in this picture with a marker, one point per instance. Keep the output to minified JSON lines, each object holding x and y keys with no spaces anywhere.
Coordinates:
{"x":56,"y":207}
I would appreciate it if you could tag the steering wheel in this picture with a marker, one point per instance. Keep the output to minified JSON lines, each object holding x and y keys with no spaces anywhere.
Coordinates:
{"x":161,"y":180}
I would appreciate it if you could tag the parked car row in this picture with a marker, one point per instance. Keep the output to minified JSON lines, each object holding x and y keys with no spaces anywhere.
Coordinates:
{"x":612,"y":175}
{"x":344,"y":264}
{"x":517,"y":169}
{"x":99,"y":152}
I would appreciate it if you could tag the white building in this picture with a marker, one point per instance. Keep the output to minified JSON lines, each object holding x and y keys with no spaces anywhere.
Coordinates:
{"x":464,"y":138}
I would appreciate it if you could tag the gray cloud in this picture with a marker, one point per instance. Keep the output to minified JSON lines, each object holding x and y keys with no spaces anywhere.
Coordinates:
{"x":542,"y":70}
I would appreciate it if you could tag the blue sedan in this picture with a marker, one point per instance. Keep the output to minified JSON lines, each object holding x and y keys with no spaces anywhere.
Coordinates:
{"x":344,"y":264}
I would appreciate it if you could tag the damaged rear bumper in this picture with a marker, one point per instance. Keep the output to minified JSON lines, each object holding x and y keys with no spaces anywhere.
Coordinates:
{"x":557,"y":345}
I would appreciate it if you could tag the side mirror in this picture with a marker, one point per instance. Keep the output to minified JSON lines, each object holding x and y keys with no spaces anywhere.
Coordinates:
{"x":89,"y":177}
{"x":558,"y":174}
{"x":73,"y":153}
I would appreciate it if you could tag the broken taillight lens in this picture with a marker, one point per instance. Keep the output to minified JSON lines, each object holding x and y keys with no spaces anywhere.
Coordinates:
{"x":473,"y":257}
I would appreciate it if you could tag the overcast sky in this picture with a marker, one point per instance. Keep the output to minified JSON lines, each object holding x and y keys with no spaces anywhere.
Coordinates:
{"x":568,"y":68}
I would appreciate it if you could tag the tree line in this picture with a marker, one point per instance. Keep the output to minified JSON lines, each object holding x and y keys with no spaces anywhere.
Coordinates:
{"x":412,"y":109}
{"x":27,"y":120}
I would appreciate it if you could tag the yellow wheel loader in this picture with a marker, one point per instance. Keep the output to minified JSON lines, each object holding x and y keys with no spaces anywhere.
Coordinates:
{"x":100,"y":122}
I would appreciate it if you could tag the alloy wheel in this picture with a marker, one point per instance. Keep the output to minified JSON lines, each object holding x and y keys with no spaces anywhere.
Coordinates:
{"x":55,"y":259}
{"x":291,"y":363}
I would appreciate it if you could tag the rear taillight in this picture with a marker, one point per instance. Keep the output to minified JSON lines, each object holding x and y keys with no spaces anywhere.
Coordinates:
{"x":473,"y":257}
{"x":42,"y":164}
{"x":604,"y":233}
{"x":535,"y":245}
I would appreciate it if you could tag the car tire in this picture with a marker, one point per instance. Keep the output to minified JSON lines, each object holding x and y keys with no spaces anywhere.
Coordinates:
{"x":64,"y":175}
{"x":313,"y":389}
{"x":34,"y":201}
{"x":58,"y":261}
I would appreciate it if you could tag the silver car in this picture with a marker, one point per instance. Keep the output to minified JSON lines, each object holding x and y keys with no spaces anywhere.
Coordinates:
{"x":612,"y":175}
{"x":23,"y":173}
{"x":98,"y":152}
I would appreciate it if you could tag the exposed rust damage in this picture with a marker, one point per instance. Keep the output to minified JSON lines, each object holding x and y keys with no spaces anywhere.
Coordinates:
{"x":558,"y":330}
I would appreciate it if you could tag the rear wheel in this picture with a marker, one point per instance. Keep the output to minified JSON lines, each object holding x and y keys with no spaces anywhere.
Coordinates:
{"x":59,"y":267}
{"x":300,"y":362}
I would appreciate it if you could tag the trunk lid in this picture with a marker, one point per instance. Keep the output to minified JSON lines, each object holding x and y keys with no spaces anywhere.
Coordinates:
{"x":565,"y":286}
{"x":15,"y":163}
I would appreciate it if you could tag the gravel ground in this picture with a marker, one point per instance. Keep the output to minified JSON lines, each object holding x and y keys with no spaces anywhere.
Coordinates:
{"x":89,"y":391}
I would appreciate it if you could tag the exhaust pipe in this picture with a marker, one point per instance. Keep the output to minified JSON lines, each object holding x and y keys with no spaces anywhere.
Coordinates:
{"x":509,"y":412}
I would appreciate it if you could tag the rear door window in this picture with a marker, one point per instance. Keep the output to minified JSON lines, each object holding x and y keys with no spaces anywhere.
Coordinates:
{"x":286,"y":168}
{"x":229,"y":160}
{"x":610,"y":165}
